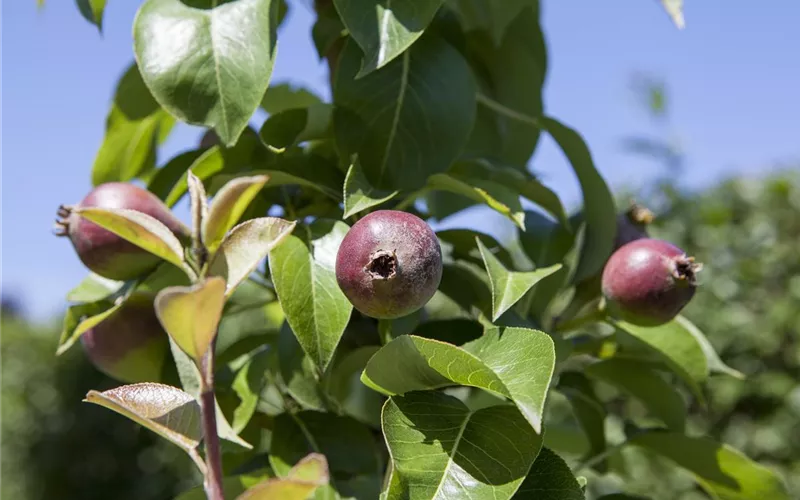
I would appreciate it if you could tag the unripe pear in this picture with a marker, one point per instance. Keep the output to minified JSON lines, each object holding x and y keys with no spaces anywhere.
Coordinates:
{"x":649,"y":281}
{"x":104,"y":252}
{"x":130,"y":345}
{"x":389,"y":264}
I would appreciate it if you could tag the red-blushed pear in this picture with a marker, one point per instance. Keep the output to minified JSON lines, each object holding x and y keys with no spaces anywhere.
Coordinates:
{"x":104,"y":252}
{"x":389,"y":264}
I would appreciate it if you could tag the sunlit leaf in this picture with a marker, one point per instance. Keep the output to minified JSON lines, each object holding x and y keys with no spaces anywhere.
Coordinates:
{"x":228,"y":205}
{"x":245,"y":246}
{"x":304,"y":478}
{"x":513,"y":362}
{"x":441,"y":449}
{"x":208,"y":65}
{"x":509,"y":286}
{"x":190,"y":315}
{"x":140,"y":229}
{"x":167,"y":411}
{"x":303,"y":270}
{"x":383,"y":29}
{"x":359,"y":194}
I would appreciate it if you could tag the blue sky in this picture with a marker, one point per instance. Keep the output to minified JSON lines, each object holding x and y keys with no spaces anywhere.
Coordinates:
{"x":733,"y":75}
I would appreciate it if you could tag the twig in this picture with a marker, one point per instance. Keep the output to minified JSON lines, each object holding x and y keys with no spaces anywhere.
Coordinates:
{"x":213,"y":476}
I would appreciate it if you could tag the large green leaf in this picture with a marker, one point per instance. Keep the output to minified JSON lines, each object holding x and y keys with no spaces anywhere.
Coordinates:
{"x":80,"y":318}
{"x":140,"y":229}
{"x":303,"y":270}
{"x":405,"y":122}
{"x":347,"y":445}
{"x":167,"y":411}
{"x":598,"y":204}
{"x":513,"y":362}
{"x":509,"y":286}
{"x":92,"y":11}
{"x":549,"y":477}
{"x":462,"y":246}
{"x":721,"y":470}
{"x":384,"y":29}
{"x":190,"y":315}
{"x":514,"y":72}
{"x":135,"y":125}
{"x":343,"y":384}
{"x":359,"y":194}
{"x":93,"y":288}
{"x":207,"y":64}
{"x":676,"y":347}
{"x":441,"y":449}
{"x":494,"y":17}
{"x":245,"y":246}
{"x":248,"y":384}
{"x":644,"y":383}
{"x":299,"y":372}
{"x":588,"y":410}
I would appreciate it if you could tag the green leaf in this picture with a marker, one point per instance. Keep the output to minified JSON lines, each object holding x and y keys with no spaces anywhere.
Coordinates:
{"x":722,"y":471}
{"x":303,"y":270}
{"x":190,"y":315}
{"x":498,"y":197}
{"x":248,"y":384}
{"x":514,"y":72}
{"x":674,"y":9}
{"x":283,"y":96}
{"x":94,"y":288}
{"x":676,"y":347}
{"x":385,"y":29}
{"x":491,"y":16}
{"x":207,"y":65}
{"x":405,"y":122}
{"x":299,"y":372}
{"x":138,"y":228}
{"x":715,"y":364}
{"x":549,"y":477}
{"x":588,"y":409}
{"x":463,"y":246}
{"x":343,"y":384}
{"x":80,"y":318}
{"x":228,"y":205}
{"x":245,"y":246}
{"x":642,"y":382}
{"x":167,"y":411}
{"x":304,"y":479}
{"x":513,"y":362}
{"x":135,"y":125}
{"x":92,"y":11}
{"x":509,"y":286}
{"x":359,"y":194}
{"x":292,"y":126}
{"x":347,"y":445}
{"x":598,"y":204}
{"x":442,"y":449}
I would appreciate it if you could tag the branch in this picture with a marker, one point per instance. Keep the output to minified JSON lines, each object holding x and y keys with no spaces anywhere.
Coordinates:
{"x":213,"y":476}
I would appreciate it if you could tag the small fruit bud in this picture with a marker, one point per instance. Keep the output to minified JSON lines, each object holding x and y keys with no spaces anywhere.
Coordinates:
{"x":649,"y":281}
{"x":130,"y":345}
{"x":104,"y":252}
{"x":389,"y":264}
